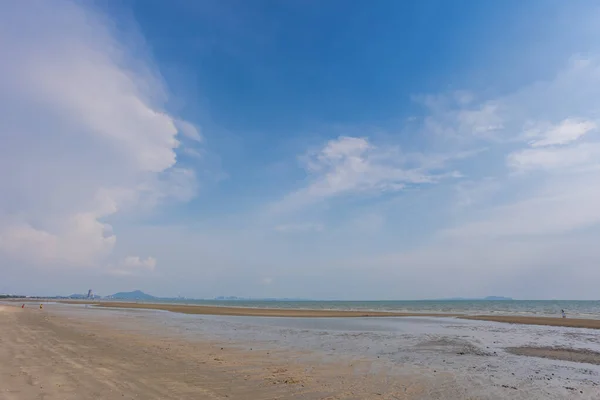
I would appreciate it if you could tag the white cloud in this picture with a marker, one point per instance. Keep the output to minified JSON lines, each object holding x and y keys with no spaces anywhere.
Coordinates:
{"x":557,"y":148}
{"x":558,"y":207}
{"x":72,"y":243}
{"x":482,"y":121}
{"x":567,"y":131}
{"x":537,"y":226}
{"x":565,"y":156}
{"x":83,"y":134}
{"x":353,"y":166}
{"x":582,"y":156}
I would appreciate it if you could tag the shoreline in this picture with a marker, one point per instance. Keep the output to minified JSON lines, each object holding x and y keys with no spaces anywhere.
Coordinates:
{"x":303,"y":313}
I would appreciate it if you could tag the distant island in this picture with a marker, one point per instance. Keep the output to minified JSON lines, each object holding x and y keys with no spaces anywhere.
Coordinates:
{"x":493,"y":298}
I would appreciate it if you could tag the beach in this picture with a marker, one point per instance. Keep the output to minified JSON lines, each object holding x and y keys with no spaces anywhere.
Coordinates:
{"x":52,"y":357}
{"x":75,"y":351}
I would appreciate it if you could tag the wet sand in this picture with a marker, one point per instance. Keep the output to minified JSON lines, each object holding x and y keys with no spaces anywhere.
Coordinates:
{"x":45,"y":356}
{"x":290,"y":313}
{"x":546,"y":321}
{"x":261,"y":312}
{"x":558,"y":353}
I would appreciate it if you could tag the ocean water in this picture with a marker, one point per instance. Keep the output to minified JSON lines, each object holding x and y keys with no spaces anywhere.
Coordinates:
{"x":573,"y":308}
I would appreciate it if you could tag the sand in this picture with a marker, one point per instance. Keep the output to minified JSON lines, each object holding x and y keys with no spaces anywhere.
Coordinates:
{"x":45,"y":356}
{"x":547,"y":321}
{"x":260,"y":312}
{"x":263,"y":312}
{"x":64,"y":352}
{"x":558,"y":353}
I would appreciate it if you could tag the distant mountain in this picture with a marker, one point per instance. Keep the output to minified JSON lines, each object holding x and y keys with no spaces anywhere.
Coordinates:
{"x":498,"y":298}
{"x":135,"y":295}
{"x":77,"y":296}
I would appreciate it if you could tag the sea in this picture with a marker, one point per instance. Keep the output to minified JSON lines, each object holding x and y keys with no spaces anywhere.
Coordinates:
{"x":551,"y":308}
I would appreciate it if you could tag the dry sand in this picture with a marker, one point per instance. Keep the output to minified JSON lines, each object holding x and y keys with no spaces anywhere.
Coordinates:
{"x":45,"y":356}
{"x":264,"y":312}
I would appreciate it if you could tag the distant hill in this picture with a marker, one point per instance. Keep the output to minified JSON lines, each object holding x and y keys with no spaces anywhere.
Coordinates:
{"x":77,"y":296}
{"x":135,"y":295}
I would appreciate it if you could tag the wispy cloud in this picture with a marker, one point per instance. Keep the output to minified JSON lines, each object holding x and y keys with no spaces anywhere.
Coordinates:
{"x":565,"y":132}
{"x":355,"y":166}
{"x":557,"y":147}
{"x":458,"y":116}
{"x":581,"y":156}
{"x":188,"y":130}
{"x":540,"y":219}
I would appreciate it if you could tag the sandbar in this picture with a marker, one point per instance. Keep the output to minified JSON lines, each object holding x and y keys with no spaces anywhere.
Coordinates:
{"x":547,"y":321}
{"x":558,"y":353}
{"x":303,"y":313}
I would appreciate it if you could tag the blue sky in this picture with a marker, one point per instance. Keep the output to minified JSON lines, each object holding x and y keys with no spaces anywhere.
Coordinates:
{"x":335,"y":150}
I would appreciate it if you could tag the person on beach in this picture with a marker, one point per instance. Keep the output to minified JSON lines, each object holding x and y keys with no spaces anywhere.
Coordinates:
{"x":563,"y":313}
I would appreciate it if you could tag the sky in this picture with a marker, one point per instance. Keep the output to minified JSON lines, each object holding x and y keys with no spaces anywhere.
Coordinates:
{"x":325,"y":150}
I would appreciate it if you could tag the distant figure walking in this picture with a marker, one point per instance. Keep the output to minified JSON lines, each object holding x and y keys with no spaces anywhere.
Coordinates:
{"x":41,"y":307}
{"x":23,"y":306}
{"x":563,"y":313}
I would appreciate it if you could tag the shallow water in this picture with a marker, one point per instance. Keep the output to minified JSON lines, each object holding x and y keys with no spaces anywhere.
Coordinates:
{"x":472,"y":352}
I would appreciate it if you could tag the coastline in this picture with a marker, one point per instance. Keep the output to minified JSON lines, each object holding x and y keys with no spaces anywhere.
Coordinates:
{"x":302,"y":313}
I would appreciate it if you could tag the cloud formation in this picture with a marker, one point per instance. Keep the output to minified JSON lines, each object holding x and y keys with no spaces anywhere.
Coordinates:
{"x":537,"y":214}
{"x":84,"y":134}
{"x":348,"y":166}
